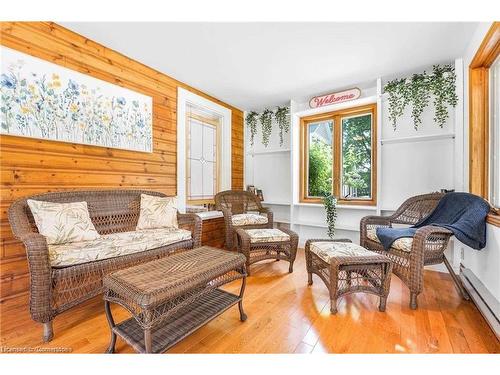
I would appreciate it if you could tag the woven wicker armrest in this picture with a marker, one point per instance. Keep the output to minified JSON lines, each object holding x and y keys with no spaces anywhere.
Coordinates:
{"x":40,"y":274}
{"x":193,"y":223}
{"x":269,"y":214}
{"x":431,"y":237}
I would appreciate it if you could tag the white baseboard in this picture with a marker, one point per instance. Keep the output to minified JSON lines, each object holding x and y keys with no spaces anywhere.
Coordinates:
{"x":487,"y":304}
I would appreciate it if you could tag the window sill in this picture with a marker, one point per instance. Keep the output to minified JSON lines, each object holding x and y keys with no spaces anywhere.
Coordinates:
{"x":493,"y":219}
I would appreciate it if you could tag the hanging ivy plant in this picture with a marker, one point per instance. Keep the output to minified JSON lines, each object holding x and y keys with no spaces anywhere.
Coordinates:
{"x":417,"y":91}
{"x":418,"y":97}
{"x":266,"y":119}
{"x":443,"y":89}
{"x":251,"y":120}
{"x":330,"y":203}
{"x":283,"y":119}
{"x":397,"y":100}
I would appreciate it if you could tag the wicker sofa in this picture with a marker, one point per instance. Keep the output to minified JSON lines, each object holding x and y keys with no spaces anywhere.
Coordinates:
{"x":55,"y":289}
{"x":410,"y":255}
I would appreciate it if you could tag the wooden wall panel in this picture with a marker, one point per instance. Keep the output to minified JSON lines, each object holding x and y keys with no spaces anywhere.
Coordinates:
{"x":30,"y":166}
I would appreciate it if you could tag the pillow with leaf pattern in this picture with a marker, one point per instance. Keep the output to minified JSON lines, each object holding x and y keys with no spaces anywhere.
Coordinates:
{"x":63,"y":222}
{"x":157,"y":212}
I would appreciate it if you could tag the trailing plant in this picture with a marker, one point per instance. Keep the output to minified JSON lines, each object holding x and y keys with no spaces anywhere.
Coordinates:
{"x":418,"y":97}
{"x":443,"y":89}
{"x":330,"y":203}
{"x":417,"y":91}
{"x":397,"y":100}
{"x":283,"y":119}
{"x":266,"y":119}
{"x":251,"y":120}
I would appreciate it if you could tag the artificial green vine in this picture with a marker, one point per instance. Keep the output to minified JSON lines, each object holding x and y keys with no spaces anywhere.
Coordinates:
{"x":251,"y":120}
{"x":282,"y":118}
{"x":266,"y":119}
{"x":418,"y":97}
{"x":397,"y":100}
{"x":443,"y":90}
{"x":330,"y":203}
{"x":417,"y":91}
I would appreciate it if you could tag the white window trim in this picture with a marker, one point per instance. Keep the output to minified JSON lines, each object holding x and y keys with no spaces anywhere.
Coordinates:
{"x":184,"y":98}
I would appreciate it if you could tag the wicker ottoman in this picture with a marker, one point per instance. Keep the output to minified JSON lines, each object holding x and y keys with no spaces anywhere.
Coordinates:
{"x":261,"y":244}
{"x":347,"y":268}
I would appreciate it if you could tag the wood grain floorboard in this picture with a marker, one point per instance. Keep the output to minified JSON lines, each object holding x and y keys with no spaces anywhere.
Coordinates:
{"x":287,"y":316}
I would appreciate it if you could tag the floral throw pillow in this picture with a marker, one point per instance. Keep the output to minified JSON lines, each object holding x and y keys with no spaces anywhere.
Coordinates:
{"x":157,"y":212}
{"x":63,"y":222}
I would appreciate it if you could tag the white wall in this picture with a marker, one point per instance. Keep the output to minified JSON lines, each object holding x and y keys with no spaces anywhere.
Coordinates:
{"x":485,"y":264}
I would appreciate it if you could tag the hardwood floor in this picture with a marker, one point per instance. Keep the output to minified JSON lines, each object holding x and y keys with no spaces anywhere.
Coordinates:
{"x":287,"y":316}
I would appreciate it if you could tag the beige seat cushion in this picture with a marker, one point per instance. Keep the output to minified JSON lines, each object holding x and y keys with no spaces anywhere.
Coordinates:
{"x":267,"y":235}
{"x":403,"y":244}
{"x":114,"y":245}
{"x":327,"y":250}
{"x":248,"y":219}
{"x":63,"y":222}
{"x":157,"y":212}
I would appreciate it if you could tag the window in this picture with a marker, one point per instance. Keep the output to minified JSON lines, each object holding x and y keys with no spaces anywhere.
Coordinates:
{"x":483,"y":88}
{"x":203,"y":138}
{"x":338,"y":156}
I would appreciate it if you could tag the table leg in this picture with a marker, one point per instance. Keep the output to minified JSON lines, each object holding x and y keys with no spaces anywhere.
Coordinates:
{"x":243,"y":316}
{"x":111,"y":322}
{"x":147,"y":340}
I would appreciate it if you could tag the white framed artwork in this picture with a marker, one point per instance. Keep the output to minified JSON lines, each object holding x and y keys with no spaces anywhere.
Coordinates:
{"x":43,"y":100}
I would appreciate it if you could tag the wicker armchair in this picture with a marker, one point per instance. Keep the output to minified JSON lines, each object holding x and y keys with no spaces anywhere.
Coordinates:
{"x":54,"y":290}
{"x":427,"y":247}
{"x":233,"y":202}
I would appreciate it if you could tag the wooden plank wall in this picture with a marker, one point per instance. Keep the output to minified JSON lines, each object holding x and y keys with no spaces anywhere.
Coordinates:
{"x":30,"y":166}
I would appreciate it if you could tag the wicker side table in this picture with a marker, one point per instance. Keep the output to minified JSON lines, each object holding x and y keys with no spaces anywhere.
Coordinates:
{"x":348,"y":269}
{"x":262,"y":244}
{"x":169,"y":298}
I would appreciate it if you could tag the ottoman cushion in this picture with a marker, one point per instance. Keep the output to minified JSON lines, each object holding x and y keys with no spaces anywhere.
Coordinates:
{"x":329,"y":250}
{"x":267,"y":235}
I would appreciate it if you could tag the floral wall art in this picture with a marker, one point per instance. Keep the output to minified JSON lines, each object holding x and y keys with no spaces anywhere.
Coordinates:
{"x":43,"y":100}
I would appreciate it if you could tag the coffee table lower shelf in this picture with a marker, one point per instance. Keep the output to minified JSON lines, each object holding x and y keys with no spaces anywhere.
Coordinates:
{"x":180,"y":324}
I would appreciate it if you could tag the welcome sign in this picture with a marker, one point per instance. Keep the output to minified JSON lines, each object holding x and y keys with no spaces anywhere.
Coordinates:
{"x":334,"y":98}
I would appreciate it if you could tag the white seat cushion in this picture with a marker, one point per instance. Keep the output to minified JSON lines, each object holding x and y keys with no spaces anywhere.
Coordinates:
{"x":327,"y":250}
{"x":248,"y":219}
{"x":267,"y":235}
{"x":403,"y":244}
{"x":114,"y":245}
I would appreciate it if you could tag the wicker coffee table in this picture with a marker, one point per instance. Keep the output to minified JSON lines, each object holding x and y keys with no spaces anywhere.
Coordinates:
{"x":170,"y":298}
{"x":267,"y":243}
{"x":348,"y":268}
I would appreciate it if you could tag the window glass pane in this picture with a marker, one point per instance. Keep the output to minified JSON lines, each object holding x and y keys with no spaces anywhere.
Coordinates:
{"x":356,"y":157}
{"x":202,"y":159}
{"x":319,"y":161}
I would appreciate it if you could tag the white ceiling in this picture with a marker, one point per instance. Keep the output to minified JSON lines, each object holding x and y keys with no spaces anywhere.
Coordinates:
{"x":255,"y":65}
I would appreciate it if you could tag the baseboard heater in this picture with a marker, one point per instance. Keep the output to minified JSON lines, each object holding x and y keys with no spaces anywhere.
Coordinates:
{"x":483,"y":299}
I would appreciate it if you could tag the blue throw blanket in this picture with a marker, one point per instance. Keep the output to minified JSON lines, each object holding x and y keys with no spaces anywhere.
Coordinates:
{"x":462,"y":213}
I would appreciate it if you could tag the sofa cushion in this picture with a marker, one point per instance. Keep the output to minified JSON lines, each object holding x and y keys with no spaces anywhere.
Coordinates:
{"x":327,"y":250}
{"x":267,"y":235}
{"x":403,"y":244}
{"x":114,"y":245}
{"x":248,"y":219}
{"x":63,"y":222}
{"x":157,"y":212}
